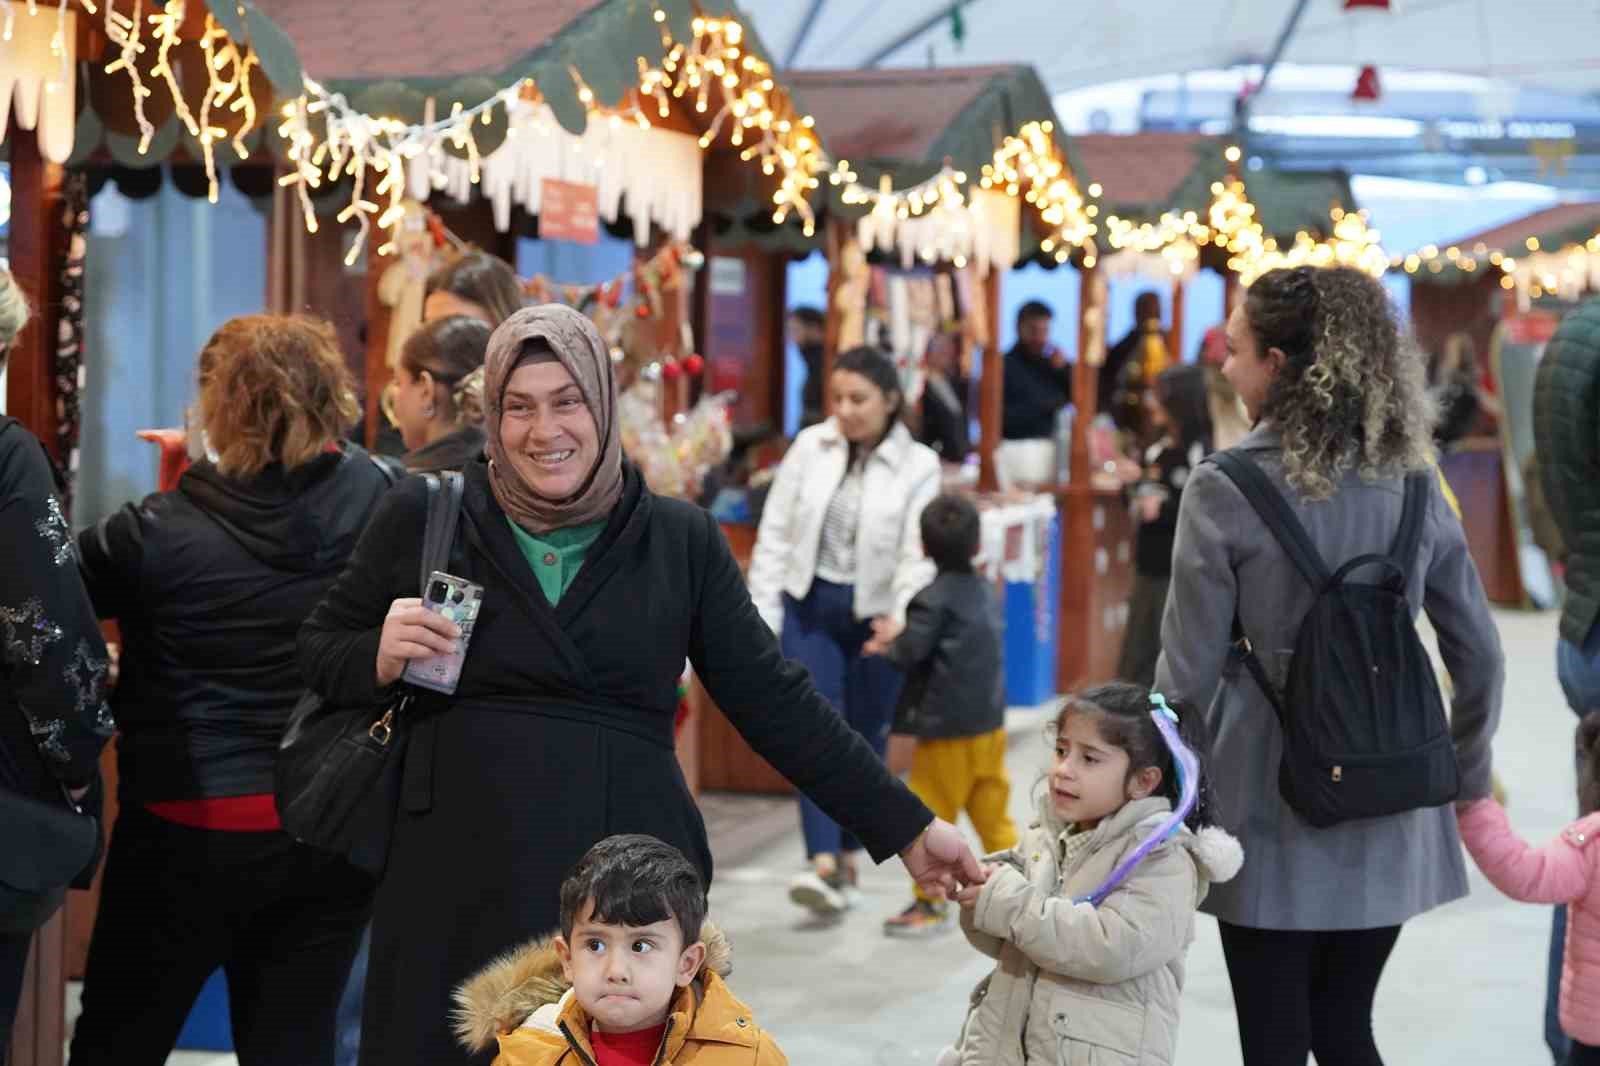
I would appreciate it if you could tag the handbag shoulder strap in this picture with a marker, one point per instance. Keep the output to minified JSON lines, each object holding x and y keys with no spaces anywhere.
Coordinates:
{"x":444,"y":511}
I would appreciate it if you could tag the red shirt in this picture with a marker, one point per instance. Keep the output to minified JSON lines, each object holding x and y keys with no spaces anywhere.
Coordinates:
{"x":627,"y":1049}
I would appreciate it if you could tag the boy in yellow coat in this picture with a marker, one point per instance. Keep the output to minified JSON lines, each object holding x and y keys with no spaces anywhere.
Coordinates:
{"x":633,"y":979}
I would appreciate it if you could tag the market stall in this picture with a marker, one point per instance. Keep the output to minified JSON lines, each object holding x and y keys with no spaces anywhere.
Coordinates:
{"x":1481,"y":309}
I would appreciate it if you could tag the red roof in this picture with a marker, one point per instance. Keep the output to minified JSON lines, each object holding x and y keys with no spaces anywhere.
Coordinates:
{"x":1138,"y":168}
{"x":361,"y":40}
{"x":886,"y":113}
{"x":1512,"y":236}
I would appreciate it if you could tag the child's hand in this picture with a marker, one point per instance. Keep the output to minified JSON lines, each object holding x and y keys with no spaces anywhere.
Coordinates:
{"x":884,"y":632}
{"x":968,"y":895}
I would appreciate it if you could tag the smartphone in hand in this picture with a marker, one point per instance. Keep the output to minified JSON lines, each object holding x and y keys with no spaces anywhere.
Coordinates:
{"x":457,"y":600}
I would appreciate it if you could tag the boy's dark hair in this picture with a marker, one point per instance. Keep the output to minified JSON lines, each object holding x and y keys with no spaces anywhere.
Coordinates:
{"x":950,"y":531}
{"x":635,"y":879}
{"x":1588,"y":741}
{"x":1034,"y":309}
{"x":1122,"y":714}
{"x":807,"y":315}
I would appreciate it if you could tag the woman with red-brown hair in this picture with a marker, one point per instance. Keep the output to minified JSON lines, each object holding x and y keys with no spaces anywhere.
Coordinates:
{"x":210,"y":583}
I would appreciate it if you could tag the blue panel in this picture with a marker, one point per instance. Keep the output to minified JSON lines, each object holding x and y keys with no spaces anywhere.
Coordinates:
{"x":208,"y":1027}
{"x":1032,"y":621}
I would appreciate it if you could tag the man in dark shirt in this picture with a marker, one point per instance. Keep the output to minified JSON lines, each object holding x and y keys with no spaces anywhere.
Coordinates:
{"x":807,"y":332}
{"x":1038,"y":378}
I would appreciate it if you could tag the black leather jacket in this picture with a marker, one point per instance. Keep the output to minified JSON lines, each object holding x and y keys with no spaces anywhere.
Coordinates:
{"x":950,"y":651}
{"x":210,"y":583}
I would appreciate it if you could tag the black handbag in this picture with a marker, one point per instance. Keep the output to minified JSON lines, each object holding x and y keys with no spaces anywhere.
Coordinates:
{"x":338,"y":772}
{"x":46,"y":846}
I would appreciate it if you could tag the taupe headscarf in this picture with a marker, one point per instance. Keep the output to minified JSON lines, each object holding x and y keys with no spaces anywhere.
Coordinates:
{"x":579,"y":347}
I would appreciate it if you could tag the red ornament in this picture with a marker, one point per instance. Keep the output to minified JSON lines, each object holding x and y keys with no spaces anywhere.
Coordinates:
{"x":642,"y":310}
{"x":672,"y":369}
{"x":694,"y":364}
{"x":1371,"y":5}
{"x":1367,"y":86}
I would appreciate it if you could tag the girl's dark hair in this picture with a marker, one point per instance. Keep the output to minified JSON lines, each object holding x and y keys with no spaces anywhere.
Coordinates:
{"x":1588,"y":741}
{"x":450,"y":350}
{"x":1182,"y":390}
{"x":1122,"y":714}
{"x":485,"y":280}
{"x":877,"y":368}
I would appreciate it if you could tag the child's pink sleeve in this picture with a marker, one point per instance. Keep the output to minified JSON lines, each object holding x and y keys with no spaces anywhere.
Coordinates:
{"x":1555,"y":873}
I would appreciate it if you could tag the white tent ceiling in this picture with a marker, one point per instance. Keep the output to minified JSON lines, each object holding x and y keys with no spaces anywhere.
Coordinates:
{"x":1549,"y":44}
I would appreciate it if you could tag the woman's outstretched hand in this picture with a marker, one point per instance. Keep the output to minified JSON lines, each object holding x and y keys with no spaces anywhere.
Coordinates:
{"x":940,"y":861}
{"x":410,"y":632}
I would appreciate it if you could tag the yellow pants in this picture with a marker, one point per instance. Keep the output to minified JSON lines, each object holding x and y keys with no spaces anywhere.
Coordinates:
{"x":967,"y":774}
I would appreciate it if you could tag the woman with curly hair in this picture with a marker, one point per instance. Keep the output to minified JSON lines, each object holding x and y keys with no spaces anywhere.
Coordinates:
{"x":210,"y":583}
{"x":1341,"y":418}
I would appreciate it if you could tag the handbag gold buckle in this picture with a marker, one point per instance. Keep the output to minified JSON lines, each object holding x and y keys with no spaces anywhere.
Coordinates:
{"x":383,"y":729}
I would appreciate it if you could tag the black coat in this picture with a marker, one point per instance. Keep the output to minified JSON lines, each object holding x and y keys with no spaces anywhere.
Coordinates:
{"x":1034,"y":389}
{"x":950,"y":651}
{"x":211,"y":583}
{"x":1566,"y":426}
{"x":944,"y":426}
{"x":561,"y":733}
{"x":53,"y":715}
{"x":451,"y":452}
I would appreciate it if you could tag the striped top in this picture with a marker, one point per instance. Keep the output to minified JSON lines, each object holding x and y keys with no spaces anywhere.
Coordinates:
{"x":836,"y":554}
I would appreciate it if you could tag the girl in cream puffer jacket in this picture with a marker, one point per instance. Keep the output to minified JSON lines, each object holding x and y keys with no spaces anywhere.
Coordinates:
{"x":1087,"y":976}
{"x":1566,"y":870}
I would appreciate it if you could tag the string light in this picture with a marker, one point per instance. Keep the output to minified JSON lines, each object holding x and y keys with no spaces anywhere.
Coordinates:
{"x":1028,"y":164}
{"x":715,"y":68}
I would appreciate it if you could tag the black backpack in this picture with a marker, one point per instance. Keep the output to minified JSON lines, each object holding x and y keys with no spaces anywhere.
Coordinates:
{"x":1364,"y":727}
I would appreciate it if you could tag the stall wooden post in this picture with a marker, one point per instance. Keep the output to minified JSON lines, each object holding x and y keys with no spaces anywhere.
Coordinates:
{"x":377,"y":356}
{"x":1175,"y":331}
{"x":36,"y":250}
{"x":836,"y":235}
{"x":991,"y":389}
{"x":1085,"y":386}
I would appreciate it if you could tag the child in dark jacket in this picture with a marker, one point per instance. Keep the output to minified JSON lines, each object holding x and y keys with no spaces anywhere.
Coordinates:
{"x":953,"y":701}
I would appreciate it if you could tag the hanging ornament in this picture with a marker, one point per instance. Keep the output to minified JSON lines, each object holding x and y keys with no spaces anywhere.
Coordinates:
{"x":641,"y":309}
{"x":694,"y":364}
{"x":1369,"y":5}
{"x":958,"y":27}
{"x":671,"y":369}
{"x":694,"y":259}
{"x":1367,"y":86}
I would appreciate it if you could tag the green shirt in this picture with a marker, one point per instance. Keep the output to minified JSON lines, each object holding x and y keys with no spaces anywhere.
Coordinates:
{"x":556,"y":556}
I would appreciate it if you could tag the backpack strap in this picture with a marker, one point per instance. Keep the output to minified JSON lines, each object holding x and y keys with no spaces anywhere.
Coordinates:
{"x":444,"y":511}
{"x":1408,"y":542}
{"x":1270,"y":506}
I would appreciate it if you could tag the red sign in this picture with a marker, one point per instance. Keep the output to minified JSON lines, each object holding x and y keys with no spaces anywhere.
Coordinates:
{"x":1534,"y":327}
{"x":568,"y":212}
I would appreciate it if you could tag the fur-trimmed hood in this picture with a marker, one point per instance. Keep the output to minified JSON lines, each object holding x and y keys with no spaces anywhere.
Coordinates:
{"x":507,"y":992}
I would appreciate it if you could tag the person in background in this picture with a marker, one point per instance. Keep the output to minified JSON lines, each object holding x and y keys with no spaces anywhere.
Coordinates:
{"x":954,"y":699}
{"x":210,"y":583}
{"x":1175,"y":408}
{"x":1566,"y":427}
{"x":807,"y":333}
{"x":1124,"y":368}
{"x":945,"y":426}
{"x":837,"y":548}
{"x":1229,"y":424}
{"x":1038,"y":378}
{"x":475,"y":284}
{"x":53,"y":663}
{"x":1307,"y":927}
{"x":438,"y":399}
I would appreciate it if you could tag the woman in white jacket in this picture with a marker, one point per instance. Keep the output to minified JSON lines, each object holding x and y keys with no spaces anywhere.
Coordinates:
{"x":838,"y":549}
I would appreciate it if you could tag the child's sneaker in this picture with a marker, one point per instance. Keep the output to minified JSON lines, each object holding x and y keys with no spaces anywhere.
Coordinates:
{"x":920,"y":919}
{"x":822,"y":895}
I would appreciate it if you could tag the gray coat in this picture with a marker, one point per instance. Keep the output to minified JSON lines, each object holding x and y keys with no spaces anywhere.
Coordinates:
{"x":1358,"y":875}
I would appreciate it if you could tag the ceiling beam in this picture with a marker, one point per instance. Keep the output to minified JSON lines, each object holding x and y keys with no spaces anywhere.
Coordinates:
{"x":806,"y":24}
{"x":916,"y":31}
{"x":1241,"y":111}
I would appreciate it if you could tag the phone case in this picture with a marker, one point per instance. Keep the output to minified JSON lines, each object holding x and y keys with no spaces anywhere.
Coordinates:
{"x":458,"y":600}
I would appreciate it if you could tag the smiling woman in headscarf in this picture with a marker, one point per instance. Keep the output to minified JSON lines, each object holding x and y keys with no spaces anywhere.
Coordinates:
{"x":560,"y":731}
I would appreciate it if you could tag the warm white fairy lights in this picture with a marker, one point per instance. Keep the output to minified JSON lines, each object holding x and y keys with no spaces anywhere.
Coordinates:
{"x":737,"y":90}
{"x":1028,"y":164}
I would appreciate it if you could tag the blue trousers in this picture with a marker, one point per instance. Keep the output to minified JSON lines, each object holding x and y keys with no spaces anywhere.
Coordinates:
{"x":347,"y":1046}
{"x":822,"y":633}
{"x":1578,"y":669}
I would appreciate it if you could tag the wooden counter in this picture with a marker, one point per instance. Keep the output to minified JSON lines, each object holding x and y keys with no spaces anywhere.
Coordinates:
{"x":1475,"y":470}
